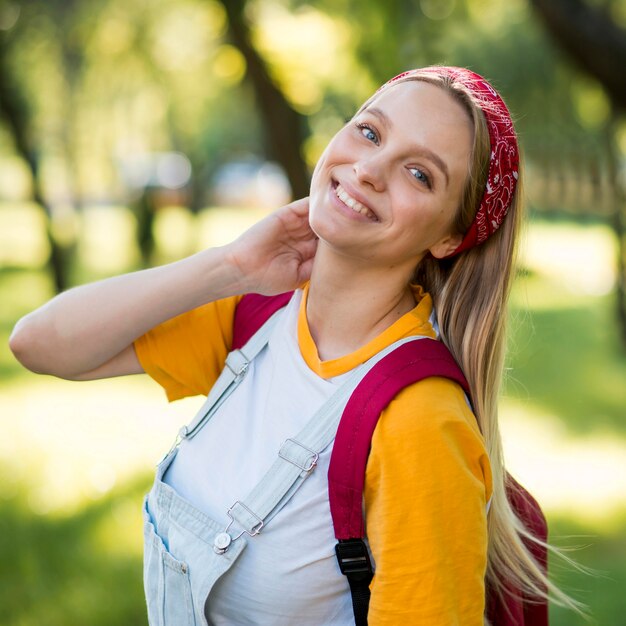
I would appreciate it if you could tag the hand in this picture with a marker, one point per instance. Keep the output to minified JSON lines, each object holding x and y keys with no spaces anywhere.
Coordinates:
{"x":276,"y":254}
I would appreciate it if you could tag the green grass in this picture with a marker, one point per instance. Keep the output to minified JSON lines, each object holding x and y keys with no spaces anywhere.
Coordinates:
{"x":604,"y":552}
{"x":570,"y":361}
{"x":79,"y":569}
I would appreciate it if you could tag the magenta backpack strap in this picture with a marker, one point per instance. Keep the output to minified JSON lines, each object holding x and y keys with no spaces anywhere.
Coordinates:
{"x":408,"y":364}
{"x":252,"y":311}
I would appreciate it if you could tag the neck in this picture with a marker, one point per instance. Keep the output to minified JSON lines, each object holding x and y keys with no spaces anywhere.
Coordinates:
{"x":350,"y":303}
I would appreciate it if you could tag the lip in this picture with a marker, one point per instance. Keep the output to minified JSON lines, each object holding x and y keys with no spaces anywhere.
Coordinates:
{"x":357,"y":196}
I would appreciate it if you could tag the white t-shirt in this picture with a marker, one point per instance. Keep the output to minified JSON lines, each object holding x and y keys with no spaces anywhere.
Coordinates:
{"x":290,"y":568}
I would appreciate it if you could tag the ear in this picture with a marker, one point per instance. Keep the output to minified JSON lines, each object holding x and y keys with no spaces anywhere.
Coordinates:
{"x":446,"y":246}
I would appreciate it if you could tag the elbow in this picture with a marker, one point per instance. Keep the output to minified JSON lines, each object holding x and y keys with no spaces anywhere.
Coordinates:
{"x":27,"y":348}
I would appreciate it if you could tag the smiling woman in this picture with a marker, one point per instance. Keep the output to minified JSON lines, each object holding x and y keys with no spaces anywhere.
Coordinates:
{"x":409,"y":233}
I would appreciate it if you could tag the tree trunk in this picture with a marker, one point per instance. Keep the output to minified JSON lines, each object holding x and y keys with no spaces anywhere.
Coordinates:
{"x":598,"y":45}
{"x":285,"y":128}
{"x":618,"y":197}
{"x":144,"y":209}
{"x":591,"y":38}
{"x":15,"y":113}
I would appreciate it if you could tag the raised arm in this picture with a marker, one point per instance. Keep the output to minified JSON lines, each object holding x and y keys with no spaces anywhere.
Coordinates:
{"x":87,"y":332}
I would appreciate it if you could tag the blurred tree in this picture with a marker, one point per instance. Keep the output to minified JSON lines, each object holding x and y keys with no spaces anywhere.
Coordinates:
{"x":17,"y":116}
{"x":616,"y":182}
{"x":109,"y":83}
{"x":591,"y":37}
{"x":285,"y":129}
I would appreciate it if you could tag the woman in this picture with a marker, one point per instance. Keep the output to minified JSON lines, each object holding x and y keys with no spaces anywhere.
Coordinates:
{"x":413,"y":202}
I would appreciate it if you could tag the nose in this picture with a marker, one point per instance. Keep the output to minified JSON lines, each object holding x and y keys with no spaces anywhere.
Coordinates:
{"x":370,"y":171}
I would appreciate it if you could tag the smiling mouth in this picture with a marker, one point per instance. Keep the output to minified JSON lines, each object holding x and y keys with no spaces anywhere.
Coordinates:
{"x":353,"y":204}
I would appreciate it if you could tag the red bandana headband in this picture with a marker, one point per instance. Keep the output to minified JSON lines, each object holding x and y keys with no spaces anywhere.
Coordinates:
{"x":504,"y":158}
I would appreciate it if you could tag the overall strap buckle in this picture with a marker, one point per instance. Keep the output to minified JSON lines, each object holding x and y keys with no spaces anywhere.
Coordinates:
{"x":299,"y":455}
{"x":253,"y":527}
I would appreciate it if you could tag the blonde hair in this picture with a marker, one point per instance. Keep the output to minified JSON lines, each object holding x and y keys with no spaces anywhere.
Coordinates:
{"x":470,"y":294}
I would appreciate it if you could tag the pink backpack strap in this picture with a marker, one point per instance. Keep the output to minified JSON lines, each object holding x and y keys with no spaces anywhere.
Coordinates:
{"x":408,"y":364}
{"x":252,"y":311}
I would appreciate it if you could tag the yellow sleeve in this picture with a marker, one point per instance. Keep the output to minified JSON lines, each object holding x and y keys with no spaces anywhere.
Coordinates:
{"x":428,"y":480}
{"x":186,"y":354}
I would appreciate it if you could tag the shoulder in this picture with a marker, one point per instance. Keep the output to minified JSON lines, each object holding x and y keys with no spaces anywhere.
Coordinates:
{"x":185,"y":354}
{"x":429,"y":427}
{"x":429,"y":405}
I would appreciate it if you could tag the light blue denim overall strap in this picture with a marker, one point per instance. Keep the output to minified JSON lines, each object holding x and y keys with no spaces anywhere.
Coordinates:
{"x":235,"y":368}
{"x":297,"y":458}
{"x":180,"y":562}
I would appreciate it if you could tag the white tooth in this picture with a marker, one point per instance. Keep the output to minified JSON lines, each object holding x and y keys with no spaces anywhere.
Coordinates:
{"x":355,"y":205}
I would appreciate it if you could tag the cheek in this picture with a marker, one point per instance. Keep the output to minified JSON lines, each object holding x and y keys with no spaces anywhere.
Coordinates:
{"x":315,"y":192}
{"x":320,"y":179}
{"x":424,"y":220}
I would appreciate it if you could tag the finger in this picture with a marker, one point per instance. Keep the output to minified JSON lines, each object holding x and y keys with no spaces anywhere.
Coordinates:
{"x":309,"y":249}
{"x":304,"y":272}
{"x":299,"y":228}
{"x":300,"y":207}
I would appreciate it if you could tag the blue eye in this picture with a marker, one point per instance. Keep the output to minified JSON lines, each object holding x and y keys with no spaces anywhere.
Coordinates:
{"x":368,"y":133}
{"x":420,"y":176}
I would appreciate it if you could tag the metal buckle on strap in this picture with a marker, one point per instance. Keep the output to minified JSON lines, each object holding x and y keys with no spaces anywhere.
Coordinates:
{"x":237,"y":362}
{"x":224,"y":539}
{"x":305,"y":468}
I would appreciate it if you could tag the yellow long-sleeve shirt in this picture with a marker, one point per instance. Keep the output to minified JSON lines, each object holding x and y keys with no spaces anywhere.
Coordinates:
{"x":427,"y":479}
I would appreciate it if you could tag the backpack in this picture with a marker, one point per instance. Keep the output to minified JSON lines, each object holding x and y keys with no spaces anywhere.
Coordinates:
{"x":404,"y":366}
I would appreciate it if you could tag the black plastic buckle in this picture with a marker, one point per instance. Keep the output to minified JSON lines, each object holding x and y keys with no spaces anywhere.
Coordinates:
{"x":353,"y":557}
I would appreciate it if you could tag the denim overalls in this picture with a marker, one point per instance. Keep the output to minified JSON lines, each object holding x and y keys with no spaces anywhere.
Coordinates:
{"x":185,"y":551}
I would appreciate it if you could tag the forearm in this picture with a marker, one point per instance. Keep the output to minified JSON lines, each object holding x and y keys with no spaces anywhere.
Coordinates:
{"x":83,"y":328}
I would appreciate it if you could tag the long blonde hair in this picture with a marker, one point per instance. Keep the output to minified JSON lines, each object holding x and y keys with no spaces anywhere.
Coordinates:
{"x":470,"y":294}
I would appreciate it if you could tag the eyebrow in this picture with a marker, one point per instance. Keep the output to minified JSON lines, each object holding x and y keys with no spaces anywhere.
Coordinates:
{"x":429,"y":154}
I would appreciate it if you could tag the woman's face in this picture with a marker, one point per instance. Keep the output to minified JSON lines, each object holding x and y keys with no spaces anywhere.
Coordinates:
{"x":388,"y":185}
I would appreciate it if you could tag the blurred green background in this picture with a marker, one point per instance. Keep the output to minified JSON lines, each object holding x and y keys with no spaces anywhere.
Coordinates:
{"x":133,"y":133}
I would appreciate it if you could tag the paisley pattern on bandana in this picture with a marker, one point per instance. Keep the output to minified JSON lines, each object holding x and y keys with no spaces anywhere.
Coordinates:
{"x":504,"y":159}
